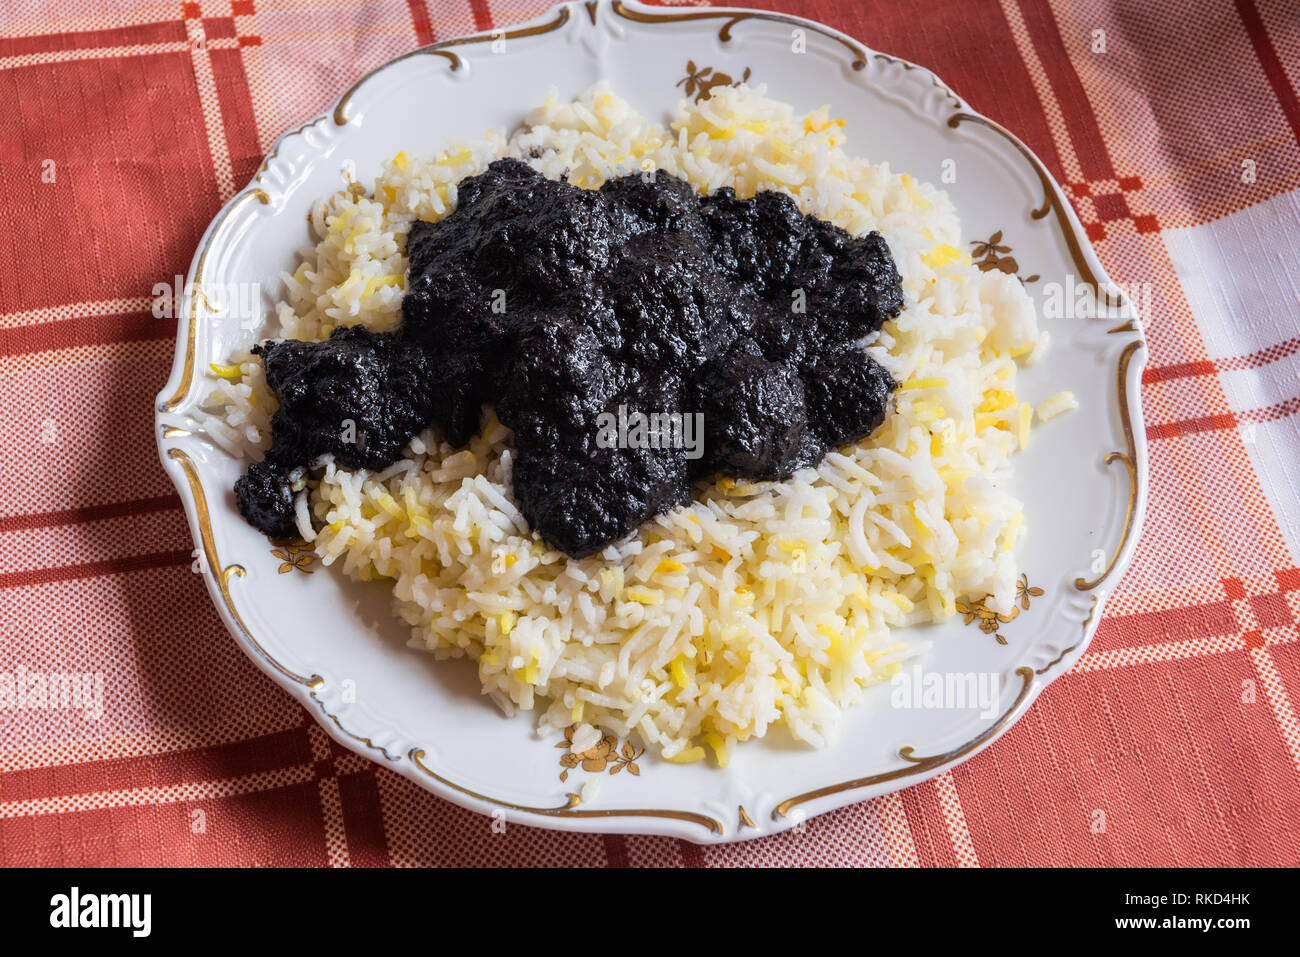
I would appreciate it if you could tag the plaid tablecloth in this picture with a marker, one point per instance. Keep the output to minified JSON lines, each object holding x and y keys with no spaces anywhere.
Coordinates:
{"x":125,"y":125}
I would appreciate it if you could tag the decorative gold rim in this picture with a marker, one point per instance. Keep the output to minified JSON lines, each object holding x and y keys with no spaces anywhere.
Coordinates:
{"x":570,"y":808}
{"x":1129,"y":458}
{"x":200,"y":264}
{"x":1092,"y":611}
{"x":275,"y":150}
{"x":443,"y":49}
{"x":917,"y":765}
{"x":1051,"y":203}
{"x":355,"y":737}
{"x":858,"y":63}
{"x":223,"y":575}
{"x":724,"y":33}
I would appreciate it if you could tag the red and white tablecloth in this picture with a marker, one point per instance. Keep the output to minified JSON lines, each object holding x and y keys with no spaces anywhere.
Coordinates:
{"x":1173,"y":741}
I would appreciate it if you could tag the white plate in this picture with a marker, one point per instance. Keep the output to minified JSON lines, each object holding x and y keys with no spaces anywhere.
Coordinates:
{"x":334,"y":645}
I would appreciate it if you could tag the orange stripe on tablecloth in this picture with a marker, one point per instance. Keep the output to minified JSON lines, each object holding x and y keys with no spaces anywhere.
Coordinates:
{"x":925,"y":819}
{"x":89,"y":513}
{"x":1179,"y":370}
{"x":1076,"y":108}
{"x":150,"y":742}
{"x":138,"y":34}
{"x":363,"y":819}
{"x":615,"y":850}
{"x":1228,"y":420}
{"x":1253,"y":360}
{"x":236,"y":104}
{"x":1275,"y":690}
{"x":1067,"y":161}
{"x":112,"y":566}
{"x":271,"y":752}
{"x":1268,"y":59}
{"x":274,"y":780}
{"x":1171,"y":624}
{"x":420,"y":20}
{"x":1201,"y":423}
{"x":84,"y":331}
{"x":482,"y":15}
{"x":1167,"y":651}
{"x":255,"y":60}
{"x":252,"y":822}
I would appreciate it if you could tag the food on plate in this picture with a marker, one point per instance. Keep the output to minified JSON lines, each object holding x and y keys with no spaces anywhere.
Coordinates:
{"x":559,"y":305}
{"x":774,"y":595}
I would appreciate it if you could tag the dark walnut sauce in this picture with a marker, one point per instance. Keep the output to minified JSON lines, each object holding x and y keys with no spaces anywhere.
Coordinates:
{"x":556,"y":304}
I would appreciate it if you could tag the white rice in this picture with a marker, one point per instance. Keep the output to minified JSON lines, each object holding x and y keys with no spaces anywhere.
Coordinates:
{"x":758,"y":604}
{"x":1058,"y":404}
